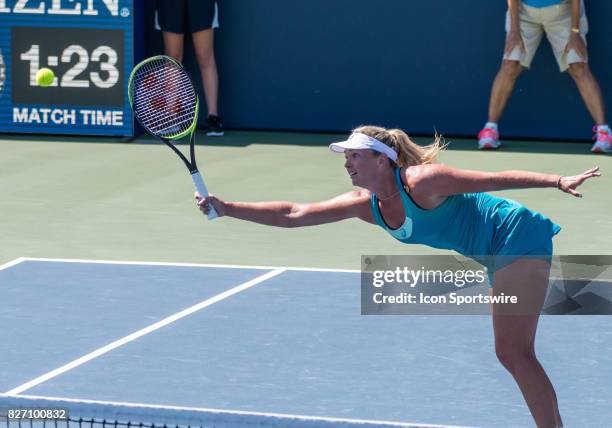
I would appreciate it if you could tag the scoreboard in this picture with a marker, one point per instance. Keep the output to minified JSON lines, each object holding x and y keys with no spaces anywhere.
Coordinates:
{"x":89,"y":45}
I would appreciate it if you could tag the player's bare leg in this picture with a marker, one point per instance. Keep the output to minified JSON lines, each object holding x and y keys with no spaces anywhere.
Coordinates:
{"x":515,"y":325}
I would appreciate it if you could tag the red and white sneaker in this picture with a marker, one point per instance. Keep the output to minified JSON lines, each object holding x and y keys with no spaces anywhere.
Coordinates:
{"x":488,"y":139}
{"x":603,"y":141}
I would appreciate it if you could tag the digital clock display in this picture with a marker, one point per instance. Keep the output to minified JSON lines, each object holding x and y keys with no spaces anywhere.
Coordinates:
{"x":90,"y":45}
{"x":88,"y":65}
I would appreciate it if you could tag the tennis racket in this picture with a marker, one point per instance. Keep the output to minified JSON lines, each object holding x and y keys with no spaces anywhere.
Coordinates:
{"x":166,"y":105}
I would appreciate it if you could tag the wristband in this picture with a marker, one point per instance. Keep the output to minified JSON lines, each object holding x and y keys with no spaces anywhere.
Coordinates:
{"x":559,"y":182}
{"x":575,"y":30}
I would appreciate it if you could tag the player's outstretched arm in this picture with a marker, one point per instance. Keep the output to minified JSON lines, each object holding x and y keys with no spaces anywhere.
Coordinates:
{"x":291,"y":214}
{"x":442,"y":180}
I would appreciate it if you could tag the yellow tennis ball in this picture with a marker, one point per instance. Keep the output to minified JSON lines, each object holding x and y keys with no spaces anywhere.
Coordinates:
{"x":44,"y":77}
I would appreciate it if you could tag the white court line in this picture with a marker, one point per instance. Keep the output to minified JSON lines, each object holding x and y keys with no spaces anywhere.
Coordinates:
{"x":142,"y":332}
{"x":204,"y":265}
{"x":261,"y":418}
{"x":12,"y":263}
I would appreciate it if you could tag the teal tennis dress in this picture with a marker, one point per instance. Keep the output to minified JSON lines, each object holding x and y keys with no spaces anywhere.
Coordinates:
{"x":477,"y":225}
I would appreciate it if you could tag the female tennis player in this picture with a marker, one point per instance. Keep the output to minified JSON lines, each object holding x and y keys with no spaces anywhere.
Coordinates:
{"x":418,"y":201}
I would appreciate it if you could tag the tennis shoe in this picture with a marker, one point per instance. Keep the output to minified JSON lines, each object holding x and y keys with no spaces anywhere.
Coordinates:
{"x":214,"y":126}
{"x":488,"y":139}
{"x":603,"y":141}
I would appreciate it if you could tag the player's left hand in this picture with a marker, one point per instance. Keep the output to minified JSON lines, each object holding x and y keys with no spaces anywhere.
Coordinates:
{"x":568,"y":184}
{"x":576,"y":43}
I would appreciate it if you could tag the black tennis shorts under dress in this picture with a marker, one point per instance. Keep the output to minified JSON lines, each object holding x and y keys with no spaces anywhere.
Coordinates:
{"x":186,"y":16}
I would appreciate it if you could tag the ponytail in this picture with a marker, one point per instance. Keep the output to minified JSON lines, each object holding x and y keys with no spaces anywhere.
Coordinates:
{"x":408,"y":152}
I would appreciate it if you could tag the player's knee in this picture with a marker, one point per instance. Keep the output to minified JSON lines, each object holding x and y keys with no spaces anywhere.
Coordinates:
{"x":578,"y":70}
{"x":512,"y":355}
{"x":511,"y":68}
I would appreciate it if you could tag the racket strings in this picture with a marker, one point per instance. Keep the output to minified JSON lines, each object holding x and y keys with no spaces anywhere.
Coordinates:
{"x":164,"y":99}
{"x":159,"y":113}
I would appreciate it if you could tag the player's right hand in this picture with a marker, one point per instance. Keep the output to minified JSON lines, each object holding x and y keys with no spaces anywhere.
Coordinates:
{"x":514,"y":40}
{"x":205,"y":203}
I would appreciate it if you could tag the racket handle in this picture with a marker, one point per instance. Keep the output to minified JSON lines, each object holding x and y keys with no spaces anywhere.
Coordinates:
{"x":201,"y":188}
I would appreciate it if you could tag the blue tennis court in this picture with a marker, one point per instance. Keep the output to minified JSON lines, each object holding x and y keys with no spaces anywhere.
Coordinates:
{"x":273,"y":340}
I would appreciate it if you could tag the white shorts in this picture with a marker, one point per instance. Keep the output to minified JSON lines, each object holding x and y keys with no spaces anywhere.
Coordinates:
{"x":556,"y":22}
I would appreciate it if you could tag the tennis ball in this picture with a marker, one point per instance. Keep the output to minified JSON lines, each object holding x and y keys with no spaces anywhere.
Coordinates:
{"x":44,"y":77}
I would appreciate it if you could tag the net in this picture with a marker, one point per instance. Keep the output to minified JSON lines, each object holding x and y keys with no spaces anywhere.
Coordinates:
{"x":100,"y":414}
{"x":163,"y":97}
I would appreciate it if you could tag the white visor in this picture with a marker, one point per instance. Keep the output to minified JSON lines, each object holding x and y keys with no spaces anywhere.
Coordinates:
{"x":361,"y":141}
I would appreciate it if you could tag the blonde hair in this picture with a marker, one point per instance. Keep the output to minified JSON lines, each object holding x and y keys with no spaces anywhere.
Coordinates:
{"x":408,"y":152}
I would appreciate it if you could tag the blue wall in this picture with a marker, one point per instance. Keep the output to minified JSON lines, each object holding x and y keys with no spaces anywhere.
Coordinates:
{"x":329,"y":65}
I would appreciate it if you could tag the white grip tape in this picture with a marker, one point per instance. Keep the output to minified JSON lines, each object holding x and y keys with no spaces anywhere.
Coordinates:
{"x":198,"y":181}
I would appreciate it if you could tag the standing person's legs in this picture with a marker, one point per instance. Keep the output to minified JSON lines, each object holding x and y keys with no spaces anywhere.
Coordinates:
{"x":173,"y":45}
{"x":515,"y":325}
{"x":203,"y":19}
{"x":503,"y":85}
{"x":558,"y":31}
{"x":203,"y":42}
{"x":171,"y":17}
{"x":514,"y":62}
{"x":589,"y":90}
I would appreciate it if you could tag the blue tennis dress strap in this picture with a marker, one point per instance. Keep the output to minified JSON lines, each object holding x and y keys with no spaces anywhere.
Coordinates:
{"x":473,"y":224}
